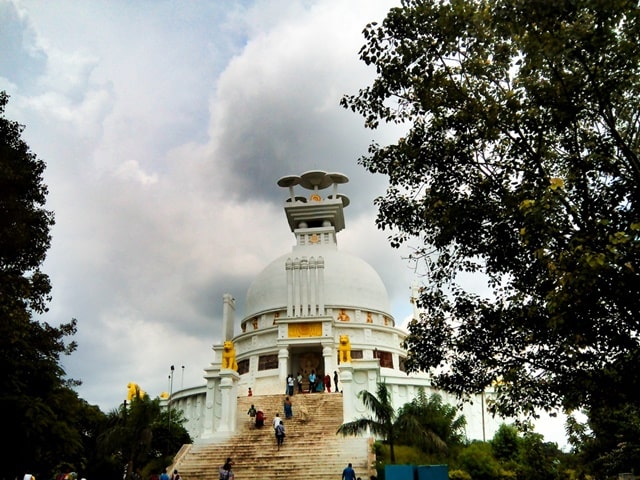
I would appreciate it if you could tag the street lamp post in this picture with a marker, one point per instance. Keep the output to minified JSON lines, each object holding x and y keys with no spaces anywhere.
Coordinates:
{"x":170,"y":395}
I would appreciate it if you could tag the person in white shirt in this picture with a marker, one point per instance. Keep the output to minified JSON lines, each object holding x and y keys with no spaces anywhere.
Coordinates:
{"x":276,"y":421}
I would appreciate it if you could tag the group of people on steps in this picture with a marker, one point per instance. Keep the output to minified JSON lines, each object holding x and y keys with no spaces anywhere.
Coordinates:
{"x":316,"y":383}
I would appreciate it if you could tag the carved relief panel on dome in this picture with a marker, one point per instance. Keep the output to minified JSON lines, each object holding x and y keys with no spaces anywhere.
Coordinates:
{"x":254,"y":322}
{"x":369,"y":317}
{"x":305,"y":329}
{"x":343,"y":316}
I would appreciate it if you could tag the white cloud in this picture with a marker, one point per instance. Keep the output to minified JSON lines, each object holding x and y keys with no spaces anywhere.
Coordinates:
{"x":165,"y":128}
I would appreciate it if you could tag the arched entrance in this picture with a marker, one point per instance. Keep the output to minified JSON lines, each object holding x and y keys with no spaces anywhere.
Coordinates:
{"x":305,"y":360}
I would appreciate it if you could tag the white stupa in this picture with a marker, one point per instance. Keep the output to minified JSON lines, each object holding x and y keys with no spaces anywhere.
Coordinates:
{"x":298,"y":310}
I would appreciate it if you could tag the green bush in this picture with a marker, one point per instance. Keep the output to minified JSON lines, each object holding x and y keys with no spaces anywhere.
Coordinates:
{"x":459,"y":475}
{"x":478,"y":460}
{"x":406,"y":455}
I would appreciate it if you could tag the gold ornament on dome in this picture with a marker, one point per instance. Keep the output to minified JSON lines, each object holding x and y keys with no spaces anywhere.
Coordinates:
{"x":369,"y":319}
{"x":315,"y":238}
{"x":298,"y":330}
{"x":255,"y":323}
{"x":342,"y":316}
{"x":315,"y":197}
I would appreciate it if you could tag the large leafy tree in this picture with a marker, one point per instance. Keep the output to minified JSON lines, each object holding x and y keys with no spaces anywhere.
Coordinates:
{"x":520,"y":163}
{"x":37,"y":402}
{"x":607,"y":443}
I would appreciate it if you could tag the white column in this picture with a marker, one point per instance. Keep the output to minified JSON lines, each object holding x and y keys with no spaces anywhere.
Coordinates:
{"x":320,"y":286}
{"x":296,"y":287}
{"x":289,"y":269}
{"x":348,"y":397}
{"x":328,"y":355}
{"x":229,"y":396}
{"x":209,"y":425}
{"x":304,"y":287}
{"x":283,"y":368}
{"x":228,"y":314}
{"x":313,"y":306}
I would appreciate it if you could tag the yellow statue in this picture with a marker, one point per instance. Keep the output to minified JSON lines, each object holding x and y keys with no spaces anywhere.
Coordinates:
{"x":343,"y":316}
{"x":229,"y":356}
{"x":344,"y":349}
{"x":164,"y":395}
{"x":133,"y":391}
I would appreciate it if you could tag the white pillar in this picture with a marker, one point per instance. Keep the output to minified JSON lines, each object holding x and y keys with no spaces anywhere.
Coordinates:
{"x":228,"y":314}
{"x":328,"y":354}
{"x":283,"y":368}
{"x":209,"y":424}
{"x":304,"y":286}
{"x":289,"y":268}
{"x":320,"y":286}
{"x":348,"y":400}
{"x":296,"y":287}
{"x":313,"y":306}
{"x":229,"y":396}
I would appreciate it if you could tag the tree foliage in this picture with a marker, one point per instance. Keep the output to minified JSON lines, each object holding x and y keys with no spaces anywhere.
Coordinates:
{"x":607,"y":443}
{"x":439,"y":425}
{"x":478,"y":460}
{"x":506,"y":443}
{"x":381,"y":423}
{"x":519,"y":165}
{"x":41,"y":409}
{"x":141,"y":437}
{"x":426,"y":423}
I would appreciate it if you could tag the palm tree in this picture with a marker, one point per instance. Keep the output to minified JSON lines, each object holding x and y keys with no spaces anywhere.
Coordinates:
{"x":385,"y":423}
{"x":128,"y":434}
{"x":380,"y":424}
{"x":438,"y":425}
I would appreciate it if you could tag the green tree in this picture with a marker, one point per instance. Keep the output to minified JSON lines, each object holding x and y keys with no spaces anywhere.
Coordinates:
{"x":520,"y":163}
{"x":506,"y":443}
{"x":36,"y":400}
{"x":607,"y":443}
{"x":382,"y":421}
{"x":395,"y":427}
{"x":477,"y":459}
{"x":439,"y":424}
{"x":538,"y":459}
{"x":138,"y":436}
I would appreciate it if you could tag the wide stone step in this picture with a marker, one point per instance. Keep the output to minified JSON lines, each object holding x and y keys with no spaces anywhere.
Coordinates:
{"x":311,"y":448}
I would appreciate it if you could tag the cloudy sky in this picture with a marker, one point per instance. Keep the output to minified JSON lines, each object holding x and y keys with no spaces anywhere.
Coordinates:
{"x":165,"y":126}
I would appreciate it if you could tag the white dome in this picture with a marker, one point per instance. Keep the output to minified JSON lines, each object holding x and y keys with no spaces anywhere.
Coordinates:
{"x":349,"y":282}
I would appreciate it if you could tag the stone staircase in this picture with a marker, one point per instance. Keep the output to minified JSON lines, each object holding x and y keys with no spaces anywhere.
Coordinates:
{"x":311,"y":449}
